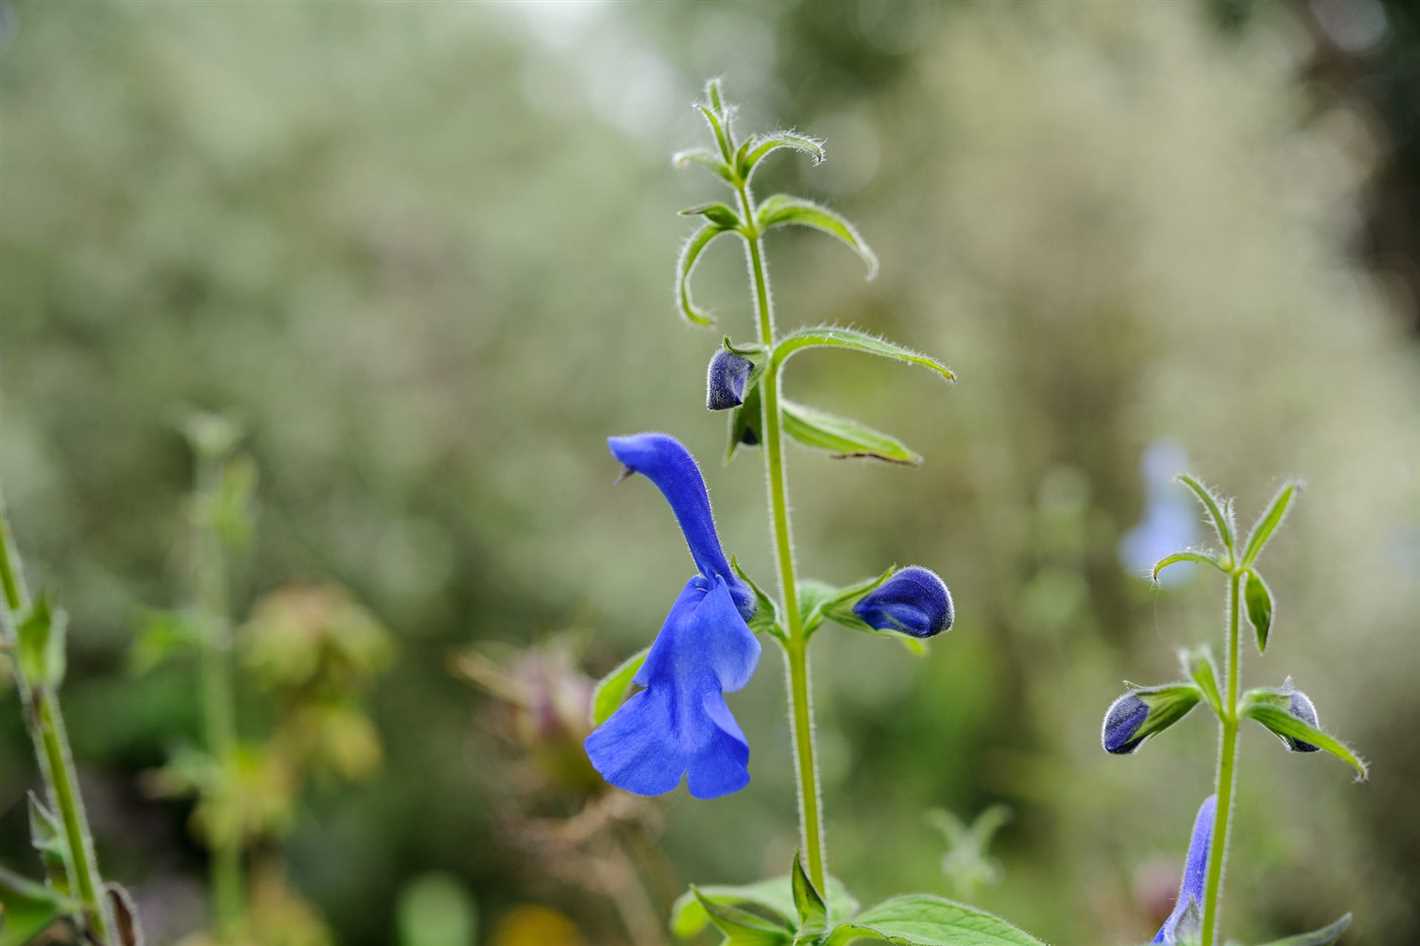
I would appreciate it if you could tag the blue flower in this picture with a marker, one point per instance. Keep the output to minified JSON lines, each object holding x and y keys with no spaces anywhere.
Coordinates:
{"x":1169,"y":522}
{"x":914,"y":601}
{"x":679,"y":725}
{"x":1187,"y":916}
{"x":725,"y":382}
{"x":1121,"y":721}
{"x":1300,"y":706}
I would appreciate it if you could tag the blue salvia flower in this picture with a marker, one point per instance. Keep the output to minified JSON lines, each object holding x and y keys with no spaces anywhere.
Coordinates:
{"x":726,"y":379}
{"x":1121,"y":721}
{"x":1169,"y":523}
{"x":679,"y":724}
{"x":1183,"y":923}
{"x":1300,"y":706}
{"x":914,"y":601}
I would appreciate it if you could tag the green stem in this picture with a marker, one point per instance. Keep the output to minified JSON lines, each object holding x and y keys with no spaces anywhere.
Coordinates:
{"x":796,"y":646}
{"x":1227,"y":771}
{"x":218,"y":700}
{"x":56,"y":761}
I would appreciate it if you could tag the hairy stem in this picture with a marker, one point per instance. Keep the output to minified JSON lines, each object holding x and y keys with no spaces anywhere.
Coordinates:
{"x":45,"y":721}
{"x":1227,"y":771}
{"x":218,"y":701}
{"x":796,"y":646}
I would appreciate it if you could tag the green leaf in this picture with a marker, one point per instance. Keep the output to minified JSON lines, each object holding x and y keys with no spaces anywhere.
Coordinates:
{"x":40,"y":640}
{"x":921,"y":919}
{"x":766,"y":611}
{"x":1323,"y":937}
{"x":1276,"y":718}
{"x":774,"y":896}
{"x":1269,"y":521}
{"x":782,"y":210}
{"x":706,"y":159}
{"x":47,"y":837}
{"x":759,"y":147}
{"x":613,"y":689}
{"x":745,"y":423}
{"x":1222,"y":523}
{"x":720,"y":214}
{"x":843,"y":437}
{"x":163,"y":635}
{"x":1198,"y":558}
{"x":1198,"y":664}
{"x":718,"y":127}
{"x":851,"y":339}
{"x":27,"y":909}
{"x":1259,"y":607}
{"x":742,"y":928}
{"x":689,"y":256}
{"x":808,"y":902}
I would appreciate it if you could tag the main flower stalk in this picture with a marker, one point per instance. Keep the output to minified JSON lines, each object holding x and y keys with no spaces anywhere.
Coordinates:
{"x":1227,"y":768}
{"x":796,"y":655}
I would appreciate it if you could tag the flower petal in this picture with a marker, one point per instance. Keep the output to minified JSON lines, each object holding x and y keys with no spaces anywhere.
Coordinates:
{"x":664,"y":461}
{"x":680,"y":723}
{"x":1195,"y":873}
{"x":914,"y":601}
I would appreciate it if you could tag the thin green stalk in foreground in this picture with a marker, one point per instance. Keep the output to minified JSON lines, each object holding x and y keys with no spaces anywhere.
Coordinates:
{"x":796,"y":646}
{"x":45,"y":722}
{"x":218,"y":700}
{"x":1227,"y":767}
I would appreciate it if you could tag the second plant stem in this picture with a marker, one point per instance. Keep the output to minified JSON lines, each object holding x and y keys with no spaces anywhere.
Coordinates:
{"x":218,"y":699}
{"x":796,"y":654}
{"x":56,"y":762}
{"x":1227,"y":771}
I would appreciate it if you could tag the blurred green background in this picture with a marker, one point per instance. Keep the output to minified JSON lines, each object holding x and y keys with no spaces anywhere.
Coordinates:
{"x":424,"y":253}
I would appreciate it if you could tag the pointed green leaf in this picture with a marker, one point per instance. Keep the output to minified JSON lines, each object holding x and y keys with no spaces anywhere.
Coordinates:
{"x":745,"y":423}
{"x":774,"y":896}
{"x":1198,"y":558}
{"x":843,"y":437}
{"x":1269,"y":521}
{"x":766,"y":612}
{"x":706,"y":159}
{"x":1198,"y":664}
{"x":689,"y":256}
{"x":719,"y":128}
{"x":742,"y":928}
{"x":1222,"y":524}
{"x":812,"y":910}
{"x":851,"y":339}
{"x":921,"y":919}
{"x":759,"y":147}
{"x":40,"y":641}
{"x":1284,"y":724}
{"x":613,"y":689}
{"x":783,"y":210}
{"x":720,"y":214}
{"x":1259,"y":607}
{"x":1323,"y":937}
{"x":712,"y":94}
{"x":47,"y":837}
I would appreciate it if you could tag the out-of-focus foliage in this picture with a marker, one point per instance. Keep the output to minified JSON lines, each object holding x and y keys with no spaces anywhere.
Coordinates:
{"x":425,"y":254}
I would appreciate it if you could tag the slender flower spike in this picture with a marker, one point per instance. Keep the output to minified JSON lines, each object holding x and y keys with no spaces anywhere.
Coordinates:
{"x":914,"y":601}
{"x":1183,"y":924}
{"x":679,"y":725}
{"x":726,"y":380}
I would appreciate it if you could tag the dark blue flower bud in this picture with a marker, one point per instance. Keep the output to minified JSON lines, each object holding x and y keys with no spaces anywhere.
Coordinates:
{"x":725,"y":383}
{"x":913,"y":601}
{"x":1301,"y":706}
{"x":1121,"y":724}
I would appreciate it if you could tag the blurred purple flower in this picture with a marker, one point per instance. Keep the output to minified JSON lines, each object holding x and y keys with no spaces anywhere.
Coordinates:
{"x":914,"y":601}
